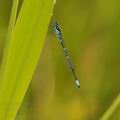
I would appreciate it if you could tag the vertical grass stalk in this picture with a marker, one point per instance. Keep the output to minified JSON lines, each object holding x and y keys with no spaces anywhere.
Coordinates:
{"x":23,"y":47}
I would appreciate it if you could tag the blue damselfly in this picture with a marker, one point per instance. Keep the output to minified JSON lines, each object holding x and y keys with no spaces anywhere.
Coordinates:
{"x":58,"y":34}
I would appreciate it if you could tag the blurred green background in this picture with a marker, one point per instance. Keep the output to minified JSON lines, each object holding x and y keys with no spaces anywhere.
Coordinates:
{"x":91,"y":30}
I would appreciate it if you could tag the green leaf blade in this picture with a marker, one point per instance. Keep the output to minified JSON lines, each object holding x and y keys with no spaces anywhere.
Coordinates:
{"x":23,"y":53}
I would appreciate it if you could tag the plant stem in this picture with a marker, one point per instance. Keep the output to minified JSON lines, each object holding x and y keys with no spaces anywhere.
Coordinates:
{"x":112,"y":108}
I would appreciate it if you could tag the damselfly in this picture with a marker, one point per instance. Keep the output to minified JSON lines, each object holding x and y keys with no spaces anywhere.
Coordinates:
{"x":58,"y":34}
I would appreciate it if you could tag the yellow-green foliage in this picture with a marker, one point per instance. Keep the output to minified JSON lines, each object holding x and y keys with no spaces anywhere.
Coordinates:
{"x":24,"y":40}
{"x":91,"y":31}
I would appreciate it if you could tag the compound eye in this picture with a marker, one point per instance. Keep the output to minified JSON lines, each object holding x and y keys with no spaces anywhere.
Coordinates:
{"x":58,"y":28}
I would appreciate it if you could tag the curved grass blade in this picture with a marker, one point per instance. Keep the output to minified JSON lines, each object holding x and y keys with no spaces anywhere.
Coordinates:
{"x":22,"y":54}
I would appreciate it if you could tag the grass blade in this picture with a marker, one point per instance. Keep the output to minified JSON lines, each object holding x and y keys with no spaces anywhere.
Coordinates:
{"x":22,"y":54}
{"x":112,"y":108}
{"x":9,"y":35}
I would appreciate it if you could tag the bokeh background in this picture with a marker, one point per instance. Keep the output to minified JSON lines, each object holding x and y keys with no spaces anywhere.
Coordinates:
{"x":91,"y":30}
